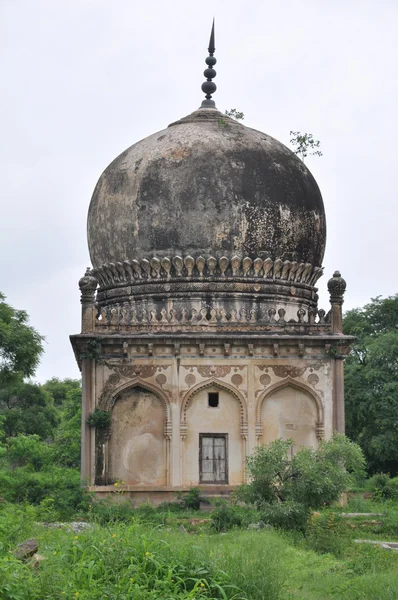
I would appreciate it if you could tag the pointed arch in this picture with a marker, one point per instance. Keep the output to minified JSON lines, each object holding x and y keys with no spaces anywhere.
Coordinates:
{"x":108,"y":401}
{"x":213,"y":381}
{"x":290,"y":382}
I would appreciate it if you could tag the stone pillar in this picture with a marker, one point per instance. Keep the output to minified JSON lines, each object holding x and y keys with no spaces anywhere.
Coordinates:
{"x":86,"y":454}
{"x":339,"y":411}
{"x":336,"y":287}
{"x":88,"y":285}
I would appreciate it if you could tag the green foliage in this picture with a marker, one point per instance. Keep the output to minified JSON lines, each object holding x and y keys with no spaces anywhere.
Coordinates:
{"x":305,"y":144}
{"x":328,"y":532}
{"x":235,"y":114}
{"x":383,"y":487}
{"x":60,"y":389}
{"x":108,"y":511}
{"x":28,"y":409}
{"x":67,"y":439}
{"x":371,"y":382}
{"x":191,"y":499}
{"x":20,"y":344}
{"x":99,"y":419}
{"x":94,"y":351}
{"x":60,"y":484}
{"x":285,"y":487}
{"x":227,"y":516}
{"x":289,"y":515}
{"x":29,"y":451}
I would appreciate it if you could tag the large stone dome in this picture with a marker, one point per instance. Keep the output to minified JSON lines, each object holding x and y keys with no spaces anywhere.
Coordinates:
{"x":207,"y":186}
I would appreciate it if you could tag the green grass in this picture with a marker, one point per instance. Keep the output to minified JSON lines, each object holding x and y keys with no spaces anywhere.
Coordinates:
{"x":148,"y":558}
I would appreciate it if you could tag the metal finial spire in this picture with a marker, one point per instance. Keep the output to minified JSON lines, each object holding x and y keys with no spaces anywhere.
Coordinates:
{"x":209,"y":87}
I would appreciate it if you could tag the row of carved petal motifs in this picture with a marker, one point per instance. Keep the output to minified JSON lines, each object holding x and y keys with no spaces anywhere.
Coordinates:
{"x":166,"y":268}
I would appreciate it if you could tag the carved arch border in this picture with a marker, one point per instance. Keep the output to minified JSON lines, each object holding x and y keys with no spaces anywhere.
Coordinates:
{"x":290,"y":382}
{"x":108,"y":401}
{"x":221,"y":384}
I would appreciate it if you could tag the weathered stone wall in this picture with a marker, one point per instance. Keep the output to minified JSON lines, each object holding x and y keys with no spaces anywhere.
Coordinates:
{"x":289,"y":413}
{"x":136,"y":450}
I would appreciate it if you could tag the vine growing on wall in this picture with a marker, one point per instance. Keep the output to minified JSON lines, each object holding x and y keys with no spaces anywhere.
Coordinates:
{"x":93,"y":351}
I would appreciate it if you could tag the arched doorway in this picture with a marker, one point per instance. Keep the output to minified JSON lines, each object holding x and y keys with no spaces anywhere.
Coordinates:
{"x":213,"y":450}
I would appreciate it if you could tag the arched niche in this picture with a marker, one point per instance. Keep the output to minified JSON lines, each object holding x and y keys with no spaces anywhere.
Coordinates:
{"x":289,"y":410}
{"x":137,"y":447}
{"x":227,"y":421}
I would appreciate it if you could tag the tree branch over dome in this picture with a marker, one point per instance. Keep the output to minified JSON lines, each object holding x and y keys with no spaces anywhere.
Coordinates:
{"x":305,"y":144}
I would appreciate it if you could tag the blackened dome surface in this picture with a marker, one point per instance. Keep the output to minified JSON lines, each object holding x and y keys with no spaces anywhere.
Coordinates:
{"x":207,"y":186}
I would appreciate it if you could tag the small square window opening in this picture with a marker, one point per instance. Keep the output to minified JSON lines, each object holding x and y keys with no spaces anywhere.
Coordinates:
{"x":213,"y":399}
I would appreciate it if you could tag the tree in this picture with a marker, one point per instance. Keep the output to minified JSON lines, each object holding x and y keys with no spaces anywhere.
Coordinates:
{"x":305,"y":144}
{"x":27,"y":409}
{"x":312,"y":477}
{"x":61,"y":388}
{"x":235,"y":114}
{"x":371,"y":382}
{"x":67,"y":439}
{"x":20,"y":344}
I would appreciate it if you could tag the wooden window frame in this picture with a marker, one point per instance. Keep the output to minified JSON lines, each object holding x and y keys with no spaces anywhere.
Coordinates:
{"x":213,"y":435}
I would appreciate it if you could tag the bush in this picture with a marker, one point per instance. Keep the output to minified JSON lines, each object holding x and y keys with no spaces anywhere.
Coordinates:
{"x":226,"y":517}
{"x":109,"y":511}
{"x":285,"y":488}
{"x":285,"y":515}
{"x":191,"y":499}
{"x":62,"y":485}
{"x":29,"y":450}
{"x":328,"y":533}
{"x":100,"y":419}
{"x":383,"y":487}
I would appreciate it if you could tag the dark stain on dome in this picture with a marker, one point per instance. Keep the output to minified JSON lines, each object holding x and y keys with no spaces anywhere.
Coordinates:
{"x":207,"y":185}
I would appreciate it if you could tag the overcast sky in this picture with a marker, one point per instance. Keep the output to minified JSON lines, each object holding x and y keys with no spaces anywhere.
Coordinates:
{"x":84,"y":79}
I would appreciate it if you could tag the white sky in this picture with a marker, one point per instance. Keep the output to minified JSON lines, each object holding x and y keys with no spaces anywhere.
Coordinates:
{"x":84,"y":79}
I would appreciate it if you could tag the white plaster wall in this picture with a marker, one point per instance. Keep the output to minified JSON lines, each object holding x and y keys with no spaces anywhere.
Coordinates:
{"x":289,"y":413}
{"x":137,"y":445}
{"x":224,"y":419}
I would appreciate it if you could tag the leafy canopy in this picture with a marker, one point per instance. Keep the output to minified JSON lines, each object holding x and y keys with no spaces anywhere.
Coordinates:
{"x":305,"y":144}
{"x":371,"y":382}
{"x":20,"y":344}
{"x":311,"y":478}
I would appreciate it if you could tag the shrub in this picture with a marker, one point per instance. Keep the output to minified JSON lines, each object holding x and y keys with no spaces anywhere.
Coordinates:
{"x":100,"y":419}
{"x":62,"y":485}
{"x":109,"y":511}
{"x":383,"y":487}
{"x":328,"y":533}
{"x":285,"y":515}
{"x":29,"y":450}
{"x":310,"y":479}
{"x":191,"y":499}
{"x":226,"y":516}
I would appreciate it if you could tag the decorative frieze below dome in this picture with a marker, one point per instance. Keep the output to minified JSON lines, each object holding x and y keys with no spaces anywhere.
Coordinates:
{"x":188,"y":267}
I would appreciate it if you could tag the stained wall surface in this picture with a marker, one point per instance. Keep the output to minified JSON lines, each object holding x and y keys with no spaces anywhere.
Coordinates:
{"x":289,"y":413}
{"x":137,"y":446}
{"x":203,"y":419}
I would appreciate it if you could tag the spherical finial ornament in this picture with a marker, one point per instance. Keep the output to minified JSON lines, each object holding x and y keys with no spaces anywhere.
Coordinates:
{"x":209,"y":87}
{"x":87,"y":284}
{"x":336,"y":286}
